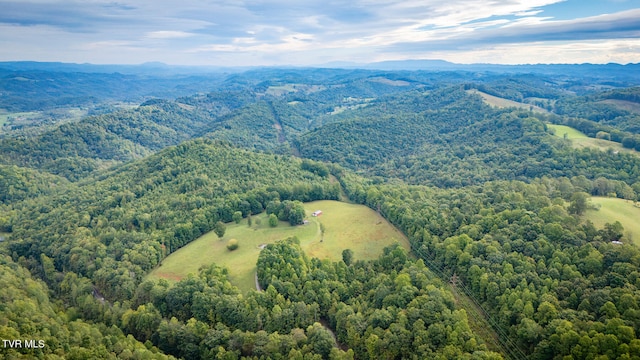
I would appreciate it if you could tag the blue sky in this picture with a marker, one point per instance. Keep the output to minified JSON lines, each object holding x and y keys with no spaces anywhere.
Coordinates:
{"x":279,"y":32}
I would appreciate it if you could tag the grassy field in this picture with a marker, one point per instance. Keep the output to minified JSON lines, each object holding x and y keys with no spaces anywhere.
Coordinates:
{"x":580,"y":140}
{"x":18,"y":116}
{"x":346,"y":226}
{"x":611,"y":210}
{"x":503,"y":103}
{"x":572,"y":133}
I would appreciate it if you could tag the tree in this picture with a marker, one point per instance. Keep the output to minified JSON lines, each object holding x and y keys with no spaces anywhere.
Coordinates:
{"x":603,"y":135}
{"x":347,"y":256}
{"x":219,"y":229}
{"x":273,"y":220}
{"x":629,"y":142}
{"x":143,"y":322}
{"x":578,"y":203}
{"x":612,"y":232}
{"x":237,"y":217}
{"x":232,"y":244}
{"x":322,"y":231}
{"x":296,"y":214}
{"x":320,"y":340}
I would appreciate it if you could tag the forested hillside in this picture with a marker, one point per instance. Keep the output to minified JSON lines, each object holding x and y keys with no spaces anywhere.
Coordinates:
{"x":554,"y":286}
{"x":28,"y":87}
{"x":493,"y":205}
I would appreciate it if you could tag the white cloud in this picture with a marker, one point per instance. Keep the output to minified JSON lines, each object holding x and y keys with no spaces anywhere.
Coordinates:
{"x":593,"y":51}
{"x":167,"y":34}
{"x":201,"y":31}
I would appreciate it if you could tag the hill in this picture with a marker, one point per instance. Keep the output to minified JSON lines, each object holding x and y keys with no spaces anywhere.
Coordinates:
{"x":449,"y":138}
{"x":134,"y":215}
{"x":42,"y":86}
{"x":38,"y":329}
{"x":76,"y":149}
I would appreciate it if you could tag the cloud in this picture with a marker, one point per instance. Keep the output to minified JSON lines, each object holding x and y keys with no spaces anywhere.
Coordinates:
{"x":197,"y":31}
{"x":168,"y":34}
{"x":69,"y":15}
{"x":624,"y":24}
{"x":594,"y":51}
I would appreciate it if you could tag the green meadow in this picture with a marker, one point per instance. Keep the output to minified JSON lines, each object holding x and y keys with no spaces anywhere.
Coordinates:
{"x":613,"y":209}
{"x":504,"y":103}
{"x":347,"y":226}
{"x":580,"y":140}
{"x":561,"y":130}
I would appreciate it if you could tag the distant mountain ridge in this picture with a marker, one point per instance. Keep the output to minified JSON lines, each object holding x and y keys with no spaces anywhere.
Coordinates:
{"x":159,"y":68}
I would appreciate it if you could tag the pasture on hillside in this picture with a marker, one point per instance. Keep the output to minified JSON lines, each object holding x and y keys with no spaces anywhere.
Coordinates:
{"x":571,"y":133}
{"x":613,"y":209}
{"x":580,"y":140}
{"x":347,"y":226}
{"x":505,"y":103}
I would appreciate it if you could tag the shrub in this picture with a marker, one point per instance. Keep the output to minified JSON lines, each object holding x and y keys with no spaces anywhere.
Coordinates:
{"x":273,"y":220}
{"x":232,"y":244}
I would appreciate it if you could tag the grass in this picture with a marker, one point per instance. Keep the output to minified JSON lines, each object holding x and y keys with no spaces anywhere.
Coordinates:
{"x":350,"y":226}
{"x":346,"y":226}
{"x":613,"y":209}
{"x":503,"y":103}
{"x":580,"y":140}
{"x":572,"y":133}
{"x":17,"y":116}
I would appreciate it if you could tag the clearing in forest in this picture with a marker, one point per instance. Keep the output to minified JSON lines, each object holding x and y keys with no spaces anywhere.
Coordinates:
{"x":346,"y":226}
{"x":571,"y":133}
{"x":612,"y":210}
{"x":579,"y":140}
{"x":505,"y":103}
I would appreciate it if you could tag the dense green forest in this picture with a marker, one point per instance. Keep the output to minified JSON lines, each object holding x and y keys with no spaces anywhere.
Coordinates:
{"x":491,"y":202}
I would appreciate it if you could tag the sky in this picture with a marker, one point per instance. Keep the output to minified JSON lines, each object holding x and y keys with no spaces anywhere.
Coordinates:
{"x":315,"y":32}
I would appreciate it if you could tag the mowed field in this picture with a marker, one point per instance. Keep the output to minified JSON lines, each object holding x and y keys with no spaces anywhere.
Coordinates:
{"x":503,"y":103}
{"x":561,"y":130}
{"x":611,"y":210}
{"x":347,"y":226}
{"x":580,"y":140}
